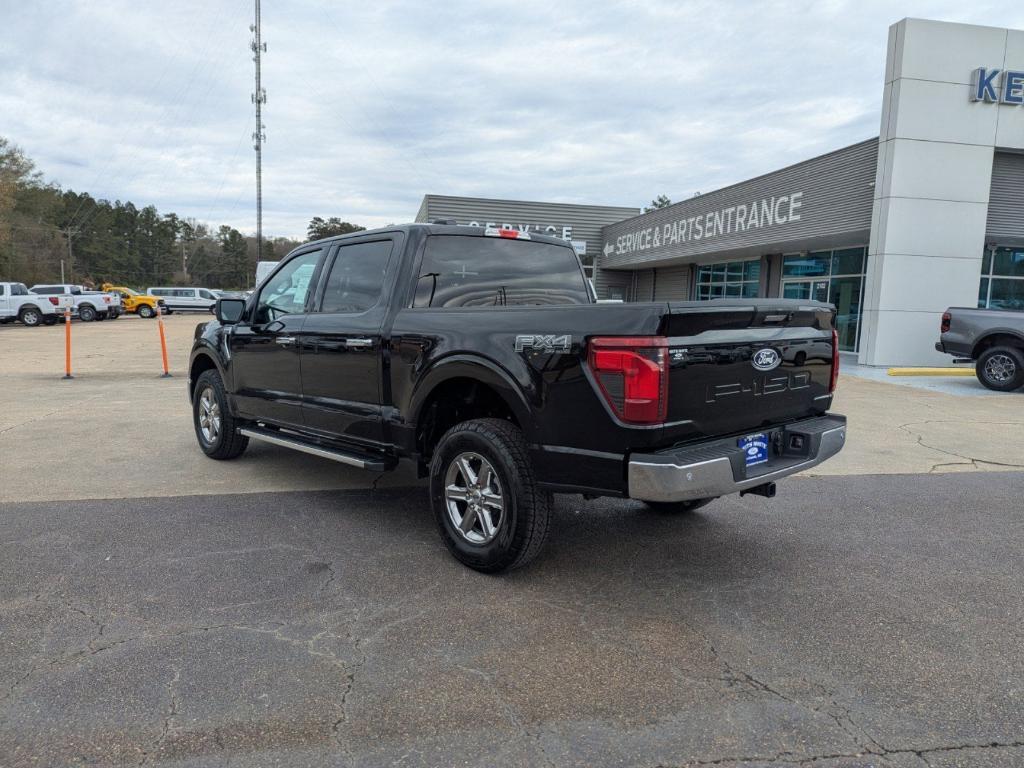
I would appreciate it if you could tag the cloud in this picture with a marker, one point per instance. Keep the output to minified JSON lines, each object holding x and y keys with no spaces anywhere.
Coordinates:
{"x":371,"y":107}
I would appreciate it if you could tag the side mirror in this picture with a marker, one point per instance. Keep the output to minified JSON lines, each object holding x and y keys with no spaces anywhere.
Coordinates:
{"x":230,"y":311}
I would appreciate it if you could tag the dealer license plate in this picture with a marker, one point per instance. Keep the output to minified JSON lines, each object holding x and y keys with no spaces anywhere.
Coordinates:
{"x":755,"y":448}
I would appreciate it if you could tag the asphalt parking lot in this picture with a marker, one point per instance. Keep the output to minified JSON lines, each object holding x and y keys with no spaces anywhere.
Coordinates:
{"x":849,"y":622}
{"x":160,"y":608}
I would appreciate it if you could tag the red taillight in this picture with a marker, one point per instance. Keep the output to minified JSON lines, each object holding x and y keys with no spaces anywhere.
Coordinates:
{"x":53,"y":300}
{"x":946,"y":320}
{"x":835,"y":361}
{"x":632,"y":374}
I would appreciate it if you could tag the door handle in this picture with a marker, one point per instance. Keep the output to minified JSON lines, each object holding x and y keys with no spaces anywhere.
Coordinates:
{"x":358,"y":343}
{"x":285,"y":341}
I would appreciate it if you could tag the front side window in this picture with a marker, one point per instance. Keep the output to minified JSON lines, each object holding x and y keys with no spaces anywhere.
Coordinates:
{"x":3,"y":289}
{"x":206,"y":294}
{"x":475,"y":271}
{"x":1002,"y":279}
{"x":356,"y":280}
{"x":285,"y":291}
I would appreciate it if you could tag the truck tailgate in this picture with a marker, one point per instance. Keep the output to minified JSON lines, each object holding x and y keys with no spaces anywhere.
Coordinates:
{"x":739,"y":368}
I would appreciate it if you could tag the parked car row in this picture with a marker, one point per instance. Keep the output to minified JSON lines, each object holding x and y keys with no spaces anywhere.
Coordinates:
{"x":86,"y":305}
{"x":45,"y":304}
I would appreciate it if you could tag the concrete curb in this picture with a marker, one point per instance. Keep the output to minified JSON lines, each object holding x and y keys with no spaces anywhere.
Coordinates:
{"x":930,"y":371}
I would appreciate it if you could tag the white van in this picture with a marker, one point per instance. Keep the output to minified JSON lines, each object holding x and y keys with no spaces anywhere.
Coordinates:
{"x":264,"y":268}
{"x":185,"y":299}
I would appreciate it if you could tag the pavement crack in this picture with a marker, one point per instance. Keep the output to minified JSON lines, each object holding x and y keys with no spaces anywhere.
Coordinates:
{"x":793,"y":758}
{"x":168,"y":723}
{"x":967,"y":460}
{"x":511,"y":711}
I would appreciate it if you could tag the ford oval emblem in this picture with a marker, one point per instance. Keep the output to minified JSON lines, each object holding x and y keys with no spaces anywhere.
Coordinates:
{"x":766,"y":359}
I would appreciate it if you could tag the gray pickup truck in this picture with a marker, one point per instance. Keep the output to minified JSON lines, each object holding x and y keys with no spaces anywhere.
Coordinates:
{"x":992,"y":339}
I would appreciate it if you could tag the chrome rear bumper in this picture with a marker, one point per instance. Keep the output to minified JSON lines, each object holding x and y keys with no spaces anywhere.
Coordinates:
{"x":718,"y":467}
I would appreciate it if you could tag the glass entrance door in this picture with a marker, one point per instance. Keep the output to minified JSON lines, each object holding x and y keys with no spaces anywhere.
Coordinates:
{"x":836,"y":277}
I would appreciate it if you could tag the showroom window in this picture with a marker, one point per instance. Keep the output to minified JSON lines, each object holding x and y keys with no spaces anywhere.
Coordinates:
{"x":835,"y":276}
{"x":729,"y":279}
{"x":1002,"y":279}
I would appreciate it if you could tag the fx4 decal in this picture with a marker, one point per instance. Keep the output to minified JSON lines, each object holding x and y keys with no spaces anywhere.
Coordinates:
{"x":544,"y":342}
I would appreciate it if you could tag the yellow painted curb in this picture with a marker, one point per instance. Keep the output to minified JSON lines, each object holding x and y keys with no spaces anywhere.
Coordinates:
{"x":931,"y":371}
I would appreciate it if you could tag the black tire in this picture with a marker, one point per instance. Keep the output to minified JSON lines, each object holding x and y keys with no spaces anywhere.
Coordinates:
{"x":1001,"y":368}
{"x":86,"y":313}
{"x":228,"y":443}
{"x":523,"y":523}
{"x":146,"y":311}
{"x":30,"y":316}
{"x":679,"y":507}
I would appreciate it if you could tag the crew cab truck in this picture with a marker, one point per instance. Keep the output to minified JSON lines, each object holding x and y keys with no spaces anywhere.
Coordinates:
{"x":88,"y":305}
{"x":991,"y":339}
{"x":481,"y":355}
{"x":18,"y":303}
{"x":132,"y":301}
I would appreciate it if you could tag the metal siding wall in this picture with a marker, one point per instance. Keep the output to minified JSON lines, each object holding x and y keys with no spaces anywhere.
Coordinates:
{"x":604,"y":279}
{"x":672,"y":284}
{"x":1006,"y":200}
{"x":836,"y":198}
{"x":644,"y":285}
{"x":586,"y":220}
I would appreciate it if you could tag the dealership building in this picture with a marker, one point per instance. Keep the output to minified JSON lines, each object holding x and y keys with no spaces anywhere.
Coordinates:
{"x":892,"y":230}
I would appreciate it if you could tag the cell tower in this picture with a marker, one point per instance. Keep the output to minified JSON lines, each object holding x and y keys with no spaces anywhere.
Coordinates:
{"x":259,"y":98}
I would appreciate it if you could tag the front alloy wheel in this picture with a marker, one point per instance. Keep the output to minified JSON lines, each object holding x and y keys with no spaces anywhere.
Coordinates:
{"x":473,"y":498}
{"x":209,"y":416}
{"x":216,"y":429}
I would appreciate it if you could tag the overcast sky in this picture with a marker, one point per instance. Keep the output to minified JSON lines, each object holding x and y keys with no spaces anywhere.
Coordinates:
{"x":373,"y":104}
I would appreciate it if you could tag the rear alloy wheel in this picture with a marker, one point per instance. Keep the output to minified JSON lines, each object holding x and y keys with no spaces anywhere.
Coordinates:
{"x":31,"y":317}
{"x":86,"y":313}
{"x":485,"y":499}
{"x":146,"y":311}
{"x":1001,"y":368}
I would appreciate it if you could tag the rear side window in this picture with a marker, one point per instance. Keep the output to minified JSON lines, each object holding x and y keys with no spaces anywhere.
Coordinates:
{"x":3,"y":288}
{"x":473,"y":271}
{"x":19,"y":289}
{"x":356,"y":281}
{"x":44,"y":290}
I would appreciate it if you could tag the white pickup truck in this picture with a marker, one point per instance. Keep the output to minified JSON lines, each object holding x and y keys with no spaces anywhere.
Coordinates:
{"x":88,"y":305}
{"x":18,"y":303}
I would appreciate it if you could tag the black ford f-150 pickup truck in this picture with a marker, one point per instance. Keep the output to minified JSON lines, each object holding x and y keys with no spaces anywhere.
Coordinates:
{"x":481,"y":355}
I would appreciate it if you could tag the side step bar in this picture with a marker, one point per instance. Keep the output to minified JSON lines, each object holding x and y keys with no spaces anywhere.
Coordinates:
{"x":296,"y":443}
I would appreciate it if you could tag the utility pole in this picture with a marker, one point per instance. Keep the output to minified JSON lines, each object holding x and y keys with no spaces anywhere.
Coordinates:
{"x":71,"y":258}
{"x":259,"y":98}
